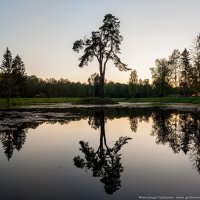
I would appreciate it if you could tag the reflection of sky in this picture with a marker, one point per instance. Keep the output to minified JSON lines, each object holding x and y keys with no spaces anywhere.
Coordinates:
{"x":43,"y":32}
{"x":43,"y":169}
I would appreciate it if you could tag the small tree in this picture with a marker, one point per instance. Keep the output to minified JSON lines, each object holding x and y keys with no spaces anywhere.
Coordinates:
{"x":133,"y":83}
{"x":18,"y":71}
{"x":12,"y":75}
{"x":186,"y":72}
{"x":7,"y":81}
{"x":104,"y":45}
{"x":196,"y":62}
{"x":93,"y":82}
{"x":161,"y":76}
{"x":174,"y":66}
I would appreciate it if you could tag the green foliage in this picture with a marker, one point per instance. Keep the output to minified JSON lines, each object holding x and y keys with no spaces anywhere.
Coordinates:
{"x":94,"y":84}
{"x":196,"y":63}
{"x":133,"y":83}
{"x":138,"y":88}
{"x":180,"y":74}
{"x":7,"y":81}
{"x":12,"y":77}
{"x":186,"y":73}
{"x":161,"y":77}
{"x":144,"y":89}
{"x":116,"y":90}
{"x":37,"y":87}
{"x":133,"y":77}
{"x":174,"y":66}
{"x":194,"y":100}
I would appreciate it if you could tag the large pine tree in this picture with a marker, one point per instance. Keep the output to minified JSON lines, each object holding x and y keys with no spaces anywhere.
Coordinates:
{"x":103,"y":45}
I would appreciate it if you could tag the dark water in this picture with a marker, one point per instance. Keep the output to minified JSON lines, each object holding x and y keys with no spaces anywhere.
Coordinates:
{"x":99,"y":154}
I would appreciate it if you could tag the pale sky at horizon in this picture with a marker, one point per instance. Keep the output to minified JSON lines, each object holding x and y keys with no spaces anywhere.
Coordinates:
{"x":42,"y":32}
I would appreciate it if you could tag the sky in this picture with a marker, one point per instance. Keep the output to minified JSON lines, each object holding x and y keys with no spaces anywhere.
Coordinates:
{"x":42,"y":32}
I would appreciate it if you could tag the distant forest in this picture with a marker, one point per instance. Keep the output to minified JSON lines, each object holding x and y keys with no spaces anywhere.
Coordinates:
{"x":176,"y":75}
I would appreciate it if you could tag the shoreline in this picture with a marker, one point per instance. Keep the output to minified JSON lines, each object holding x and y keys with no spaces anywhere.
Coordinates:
{"x":167,"y":106}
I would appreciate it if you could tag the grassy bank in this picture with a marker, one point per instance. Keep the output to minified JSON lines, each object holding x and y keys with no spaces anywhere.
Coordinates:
{"x":14,"y":102}
{"x":29,"y":101}
{"x":194,"y":100}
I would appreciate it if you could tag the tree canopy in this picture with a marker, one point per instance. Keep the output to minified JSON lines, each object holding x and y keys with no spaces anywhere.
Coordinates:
{"x":12,"y":75}
{"x":103,"y":45}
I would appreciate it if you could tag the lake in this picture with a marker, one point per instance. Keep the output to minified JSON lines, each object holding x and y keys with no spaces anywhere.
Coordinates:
{"x":96,"y":153}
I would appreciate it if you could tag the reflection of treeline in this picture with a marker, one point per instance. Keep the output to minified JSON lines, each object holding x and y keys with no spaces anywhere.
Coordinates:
{"x":65,"y":115}
{"x":15,"y":124}
{"x":14,"y":138}
{"x":179,"y":129}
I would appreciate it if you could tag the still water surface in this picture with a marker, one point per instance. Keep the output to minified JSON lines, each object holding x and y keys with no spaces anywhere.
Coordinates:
{"x":99,"y":154}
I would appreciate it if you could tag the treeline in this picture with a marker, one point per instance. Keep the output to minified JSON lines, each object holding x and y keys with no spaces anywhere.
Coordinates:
{"x":177,"y":75}
{"x":37,"y":87}
{"x":33,"y":86}
{"x":14,"y":82}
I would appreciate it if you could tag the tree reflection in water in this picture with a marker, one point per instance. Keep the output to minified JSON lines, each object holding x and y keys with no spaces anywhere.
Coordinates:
{"x":105,"y":162}
{"x":181,"y":130}
{"x":14,"y":137}
{"x":12,"y":140}
{"x":14,"y":126}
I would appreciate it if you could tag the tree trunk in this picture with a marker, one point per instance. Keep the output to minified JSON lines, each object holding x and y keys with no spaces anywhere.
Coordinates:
{"x":102,"y":129}
{"x":101,"y":92}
